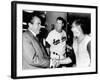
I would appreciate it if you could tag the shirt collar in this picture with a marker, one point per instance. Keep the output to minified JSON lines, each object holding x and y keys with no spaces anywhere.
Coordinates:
{"x":32,"y":32}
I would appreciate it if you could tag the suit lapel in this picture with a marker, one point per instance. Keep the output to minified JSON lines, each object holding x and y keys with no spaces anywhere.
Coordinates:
{"x":38,"y":46}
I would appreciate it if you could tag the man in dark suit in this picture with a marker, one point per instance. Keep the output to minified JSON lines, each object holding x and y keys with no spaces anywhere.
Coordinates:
{"x":33,"y":55}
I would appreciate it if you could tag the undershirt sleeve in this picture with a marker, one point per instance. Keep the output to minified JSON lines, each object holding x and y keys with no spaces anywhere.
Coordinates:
{"x":89,"y":48}
{"x":49,"y":39}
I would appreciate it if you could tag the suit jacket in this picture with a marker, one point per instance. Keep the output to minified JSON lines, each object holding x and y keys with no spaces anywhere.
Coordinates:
{"x":33,"y":53}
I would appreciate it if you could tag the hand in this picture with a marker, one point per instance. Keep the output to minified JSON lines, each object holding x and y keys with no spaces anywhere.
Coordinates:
{"x":57,"y":63}
{"x":65,"y":61}
{"x":54,"y":63}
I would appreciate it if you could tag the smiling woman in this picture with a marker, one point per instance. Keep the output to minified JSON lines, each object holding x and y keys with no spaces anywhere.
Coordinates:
{"x":80,"y":44}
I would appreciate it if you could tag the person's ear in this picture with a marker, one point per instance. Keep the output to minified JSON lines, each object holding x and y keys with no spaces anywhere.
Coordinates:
{"x":29,"y":24}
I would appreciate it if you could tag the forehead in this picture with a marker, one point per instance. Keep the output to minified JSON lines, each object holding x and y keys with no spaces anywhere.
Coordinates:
{"x":75,"y":25}
{"x":36,"y":19}
{"x":59,"y":21}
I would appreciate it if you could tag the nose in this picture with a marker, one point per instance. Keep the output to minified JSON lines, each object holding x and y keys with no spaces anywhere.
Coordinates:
{"x":42,"y":26}
{"x":72,"y":29}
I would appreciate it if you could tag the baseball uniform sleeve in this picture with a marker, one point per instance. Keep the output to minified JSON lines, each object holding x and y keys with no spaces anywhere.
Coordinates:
{"x":49,"y":38}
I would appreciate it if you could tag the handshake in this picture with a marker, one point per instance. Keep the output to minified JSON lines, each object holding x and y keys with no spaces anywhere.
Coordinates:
{"x":55,"y":60}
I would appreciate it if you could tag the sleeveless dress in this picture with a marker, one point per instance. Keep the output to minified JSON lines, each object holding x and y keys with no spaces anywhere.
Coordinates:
{"x":81,"y":52}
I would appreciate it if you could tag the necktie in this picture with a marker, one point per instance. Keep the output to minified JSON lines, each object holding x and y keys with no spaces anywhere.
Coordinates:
{"x":42,"y":48}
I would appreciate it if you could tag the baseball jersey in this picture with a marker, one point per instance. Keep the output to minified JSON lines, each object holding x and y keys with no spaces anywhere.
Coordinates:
{"x":57,"y":42}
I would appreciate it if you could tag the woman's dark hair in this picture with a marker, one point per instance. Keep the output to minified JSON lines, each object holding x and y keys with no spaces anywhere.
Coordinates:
{"x":82,"y":24}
